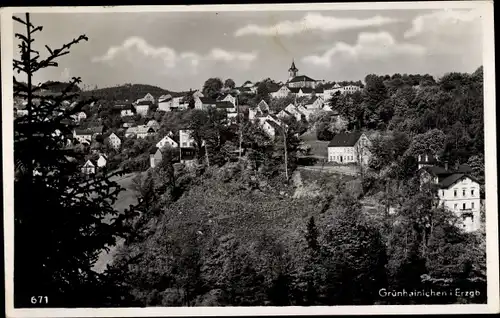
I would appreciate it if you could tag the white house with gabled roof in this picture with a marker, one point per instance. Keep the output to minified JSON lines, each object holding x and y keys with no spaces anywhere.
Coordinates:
{"x":167,"y":140}
{"x":114,"y":141}
{"x":458,"y":192}
{"x":349,"y":148}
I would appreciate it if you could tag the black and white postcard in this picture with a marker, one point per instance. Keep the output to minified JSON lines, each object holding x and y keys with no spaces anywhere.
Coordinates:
{"x":250,"y":159}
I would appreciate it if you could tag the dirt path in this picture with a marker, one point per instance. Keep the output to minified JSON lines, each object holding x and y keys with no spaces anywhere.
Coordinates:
{"x":349,"y":170}
{"x":125,"y":199}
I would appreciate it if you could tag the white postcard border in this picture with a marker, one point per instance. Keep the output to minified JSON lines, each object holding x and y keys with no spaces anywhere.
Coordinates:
{"x":490,"y":169}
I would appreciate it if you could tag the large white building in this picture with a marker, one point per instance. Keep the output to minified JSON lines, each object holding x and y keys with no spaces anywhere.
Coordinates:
{"x":458,"y":192}
{"x":349,"y":148}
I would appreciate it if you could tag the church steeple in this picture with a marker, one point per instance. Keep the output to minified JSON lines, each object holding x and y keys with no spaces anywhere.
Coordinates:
{"x":292,"y":71}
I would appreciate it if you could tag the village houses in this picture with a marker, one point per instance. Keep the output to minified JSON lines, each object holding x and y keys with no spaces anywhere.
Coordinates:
{"x":165,"y":102}
{"x":155,"y":157}
{"x":82,"y":135}
{"x":114,"y":141}
{"x":153,"y":124}
{"x":204,"y":103}
{"x":228,"y":97}
{"x":294,"y":111}
{"x":185,"y":139}
{"x":125,"y":109}
{"x":167,"y":140}
{"x":147,"y":98}
{"x":88,"y":167}
{"x":142,"y":107}
{"x":141,"y":131}
{"x":79,"y":116}
{"x":101,"y":162}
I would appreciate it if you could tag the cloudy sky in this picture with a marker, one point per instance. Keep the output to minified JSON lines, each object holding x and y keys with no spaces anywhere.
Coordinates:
{"x":180,"y":50}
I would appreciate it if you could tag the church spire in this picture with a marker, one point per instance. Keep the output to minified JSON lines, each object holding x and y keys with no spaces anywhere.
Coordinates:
{"x":292,"y":71}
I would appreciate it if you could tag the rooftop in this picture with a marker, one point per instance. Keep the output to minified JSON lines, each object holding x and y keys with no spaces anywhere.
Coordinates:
{"x":301,"y":78}
{"x":345,"y":139}
{"x":207,"y":100}
{"x":455,"y":177}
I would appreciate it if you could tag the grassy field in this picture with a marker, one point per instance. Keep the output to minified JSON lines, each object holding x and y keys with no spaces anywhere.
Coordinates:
{"x":319,"y":149}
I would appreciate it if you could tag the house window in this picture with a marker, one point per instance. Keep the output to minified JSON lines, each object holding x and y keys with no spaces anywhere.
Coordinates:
{"x":455,"y":193}
{"x":463,"y":193}
{"x":184,"y":144}
{"x":464,"y":205}
{"x":472,"y":192}
{"x":455,"y":206}
{"x":472,"y":205}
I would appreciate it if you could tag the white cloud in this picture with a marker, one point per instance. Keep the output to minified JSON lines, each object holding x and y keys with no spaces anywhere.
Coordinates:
{"x":171,"y":58}
{"x":313,"y":21}
{"x":449,"y":21}
{"x":368,"y":46}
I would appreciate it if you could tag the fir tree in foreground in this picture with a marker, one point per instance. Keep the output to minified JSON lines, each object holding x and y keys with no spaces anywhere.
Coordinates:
{"x":59,"y":214}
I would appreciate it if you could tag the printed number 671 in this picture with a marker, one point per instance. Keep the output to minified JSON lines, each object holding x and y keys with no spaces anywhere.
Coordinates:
{"x":39,"y":299}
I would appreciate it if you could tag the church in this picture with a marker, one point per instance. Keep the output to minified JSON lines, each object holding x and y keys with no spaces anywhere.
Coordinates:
{"x":298,"y":85}
{"x":298,"y":81}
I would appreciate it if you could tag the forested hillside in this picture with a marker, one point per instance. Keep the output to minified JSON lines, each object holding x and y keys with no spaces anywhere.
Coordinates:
{"x":129,"y":92}
{"x":412,"y":105}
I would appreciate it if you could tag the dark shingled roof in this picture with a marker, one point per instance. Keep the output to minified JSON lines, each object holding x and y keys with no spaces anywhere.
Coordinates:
{"x":307,"y":90}
{"x":328,"y":86}
{"x":435,"y":170}
{"x":83,"y":132}
{"x":207,"y":100}
{"x":225,"y":95}
{"x":345,"y":139}
{"x":96,"y":129}
{"x":224,"y":104}
{"x":145,"y":102}
{"x":450,"y":180}
{"x":274,"y":89}
{"x":319,"y":90}
{"x":294,"y":90}
{"x":301,"y":78}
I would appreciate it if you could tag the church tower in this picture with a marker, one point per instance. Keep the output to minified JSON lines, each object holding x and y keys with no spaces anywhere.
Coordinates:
{"x":292,"y":71}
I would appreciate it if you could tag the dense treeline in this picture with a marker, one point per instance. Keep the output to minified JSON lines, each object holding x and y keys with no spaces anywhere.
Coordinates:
{"x":415,"y":104}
